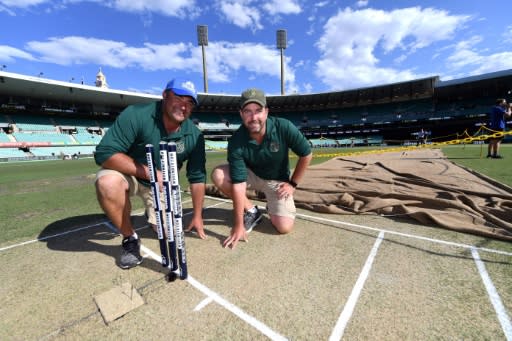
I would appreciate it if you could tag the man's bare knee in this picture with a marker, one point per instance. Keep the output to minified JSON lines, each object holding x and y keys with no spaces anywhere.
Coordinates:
{"x":110,"y":186}
{"x":283,"y":225}
{"x":220,"y":175}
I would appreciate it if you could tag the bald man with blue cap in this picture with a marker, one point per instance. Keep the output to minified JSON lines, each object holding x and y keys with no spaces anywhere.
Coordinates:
{"x":124,"y":171}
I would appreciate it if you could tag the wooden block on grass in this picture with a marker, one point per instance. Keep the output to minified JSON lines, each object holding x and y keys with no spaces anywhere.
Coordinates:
{"x":118,"y":301}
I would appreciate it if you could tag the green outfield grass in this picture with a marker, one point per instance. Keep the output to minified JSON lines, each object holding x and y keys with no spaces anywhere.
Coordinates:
{"x":34,"y":195}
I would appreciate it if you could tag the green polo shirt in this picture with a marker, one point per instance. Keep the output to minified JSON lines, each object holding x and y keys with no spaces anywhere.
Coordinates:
{"x":142,"y":124}
{"x":268,"y":160}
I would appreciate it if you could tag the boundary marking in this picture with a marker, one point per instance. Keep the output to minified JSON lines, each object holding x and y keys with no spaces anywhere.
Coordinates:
{"x":213,"y":296}
{"x":439,"y":241}
{"x":412,"y":236}
{"x":494,"y":297}
{"x":203,"y":303}
{"x":346,"y":314}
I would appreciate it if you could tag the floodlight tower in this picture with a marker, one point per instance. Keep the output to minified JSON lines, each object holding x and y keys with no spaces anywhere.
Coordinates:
{"x":281,"y":45}
{"x":202,"y":37}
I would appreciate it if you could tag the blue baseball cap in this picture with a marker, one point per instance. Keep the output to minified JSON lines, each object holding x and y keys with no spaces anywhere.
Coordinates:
{"x":182,"y":87}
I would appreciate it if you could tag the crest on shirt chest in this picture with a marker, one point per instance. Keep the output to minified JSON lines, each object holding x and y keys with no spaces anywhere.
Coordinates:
{"x":274,"y":146}
{"x":180,"y":147}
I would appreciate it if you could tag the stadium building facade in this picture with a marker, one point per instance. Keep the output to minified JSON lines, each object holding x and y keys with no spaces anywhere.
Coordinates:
{"x":42,"y":117}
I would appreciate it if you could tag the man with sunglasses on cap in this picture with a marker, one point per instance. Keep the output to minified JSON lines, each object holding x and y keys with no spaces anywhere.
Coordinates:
{"x":258,"y":159}
{"x":124,"y":171}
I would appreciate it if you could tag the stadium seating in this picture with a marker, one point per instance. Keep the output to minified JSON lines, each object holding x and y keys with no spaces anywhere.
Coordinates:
{"x":4,"y":138}
{"x":11,"y":153}
{"x":61,"y":151}
{"x":53,"y":138}
{"x":216,"y":145}
{"x":36,"y":129}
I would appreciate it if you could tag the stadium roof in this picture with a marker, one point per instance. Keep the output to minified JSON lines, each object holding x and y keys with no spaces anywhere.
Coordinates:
{"x":54,"y":92}
{"x":486,"y":76}
{"x":21,"y":89}
{"x":41,"y":92}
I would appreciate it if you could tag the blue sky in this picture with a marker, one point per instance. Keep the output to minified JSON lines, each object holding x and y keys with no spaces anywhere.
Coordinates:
{"x":332,"y":45}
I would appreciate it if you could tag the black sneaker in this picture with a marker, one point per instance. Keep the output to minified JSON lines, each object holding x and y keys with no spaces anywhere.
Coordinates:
{"x":130,"y":256}
{"x":252,"y":219}
{"x":497,"y":157}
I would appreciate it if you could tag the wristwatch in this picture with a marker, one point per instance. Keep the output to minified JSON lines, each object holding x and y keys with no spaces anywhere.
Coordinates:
{"x":293,"y":183}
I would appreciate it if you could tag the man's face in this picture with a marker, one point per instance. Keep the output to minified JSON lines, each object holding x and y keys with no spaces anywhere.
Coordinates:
{"x":177,"y":108}
{"x":254,"y":117}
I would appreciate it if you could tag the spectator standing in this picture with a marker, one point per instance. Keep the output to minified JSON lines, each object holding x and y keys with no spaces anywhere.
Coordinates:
{"x":499,"y":112}
{"x":422,"y":137}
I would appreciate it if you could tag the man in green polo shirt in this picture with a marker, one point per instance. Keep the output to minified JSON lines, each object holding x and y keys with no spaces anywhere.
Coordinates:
{"x":122,"y":156}
{"x":258,"y":159}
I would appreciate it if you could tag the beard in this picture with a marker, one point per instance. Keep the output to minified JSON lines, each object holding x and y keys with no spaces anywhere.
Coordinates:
{"x":255,"y":126}
{"x":177,"y":114}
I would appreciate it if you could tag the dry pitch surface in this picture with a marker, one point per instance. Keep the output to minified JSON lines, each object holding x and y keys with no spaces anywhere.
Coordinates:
{"x":335,"y":277}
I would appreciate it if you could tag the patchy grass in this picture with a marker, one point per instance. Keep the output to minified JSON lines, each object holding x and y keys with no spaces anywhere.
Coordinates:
{"x":36,"y":194}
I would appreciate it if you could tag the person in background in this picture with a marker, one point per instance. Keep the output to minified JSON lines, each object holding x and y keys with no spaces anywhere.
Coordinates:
{"x":499,"y":112}
{"x":258,"y":159}
{"x":422,"y":137}
{"x":124,"y":170}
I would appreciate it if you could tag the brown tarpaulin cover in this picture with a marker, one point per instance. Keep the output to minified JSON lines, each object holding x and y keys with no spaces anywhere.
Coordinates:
{"x":421,"y":184}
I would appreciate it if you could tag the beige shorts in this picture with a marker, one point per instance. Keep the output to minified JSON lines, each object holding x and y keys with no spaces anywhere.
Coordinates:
{"x":136,"y":188}
{"x":284,"y":207}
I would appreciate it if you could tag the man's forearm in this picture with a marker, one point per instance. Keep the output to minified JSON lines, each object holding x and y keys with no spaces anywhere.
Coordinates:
{"x":300,"y":168}
{"x":126,"y":165}
{"x":197,"y":191}
{"x":238,"y":203}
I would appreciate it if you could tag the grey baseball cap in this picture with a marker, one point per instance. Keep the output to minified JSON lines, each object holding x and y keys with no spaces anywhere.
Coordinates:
{"x":253,"y":95}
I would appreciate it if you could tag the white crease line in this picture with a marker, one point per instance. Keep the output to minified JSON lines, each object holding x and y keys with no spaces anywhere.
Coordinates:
{"x":51,"y":236}
{"x":346,"y":314}
{"x":438,"y":241}
{"x":79,"y":229}
{"x":264,"y":329}
{"x":501,"y":312}
{"x":203,"y":303}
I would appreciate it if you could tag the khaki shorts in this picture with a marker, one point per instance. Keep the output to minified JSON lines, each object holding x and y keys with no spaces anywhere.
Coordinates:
{"x":284,"y":207}
{"x":136,"y":188}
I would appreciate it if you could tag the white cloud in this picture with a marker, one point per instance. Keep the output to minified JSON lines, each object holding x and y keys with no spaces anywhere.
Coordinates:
{"x":274,"y":7}
{"x":507,"y":35}
{"x":493,"y":62}
{"x":351,"y":38}
{"x":467,"y":55}
{"x":239,"y":13}
{"x":22,"y":3}
{"x":81,"y":50}
{"x":250,"y":13}
{"x":224,"y":59}
{"x":9,"y":6}
{"x":361,"y":3}
{"x":173,"y":8}
{"x":10,"y":54}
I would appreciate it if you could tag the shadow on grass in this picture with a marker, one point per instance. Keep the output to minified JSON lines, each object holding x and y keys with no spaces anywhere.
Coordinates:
{"x":91,"y":233}
{"x":224,"y":216}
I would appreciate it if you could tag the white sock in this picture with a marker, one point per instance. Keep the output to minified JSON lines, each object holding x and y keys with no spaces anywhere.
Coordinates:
{"x":135,"y":235}
{"x":253,"y":209}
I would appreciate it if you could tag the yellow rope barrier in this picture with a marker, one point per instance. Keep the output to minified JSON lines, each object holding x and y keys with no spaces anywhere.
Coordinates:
{"x":466,"y":140}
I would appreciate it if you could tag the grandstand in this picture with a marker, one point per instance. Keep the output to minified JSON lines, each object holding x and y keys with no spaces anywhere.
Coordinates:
{"x":45,"y":119}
